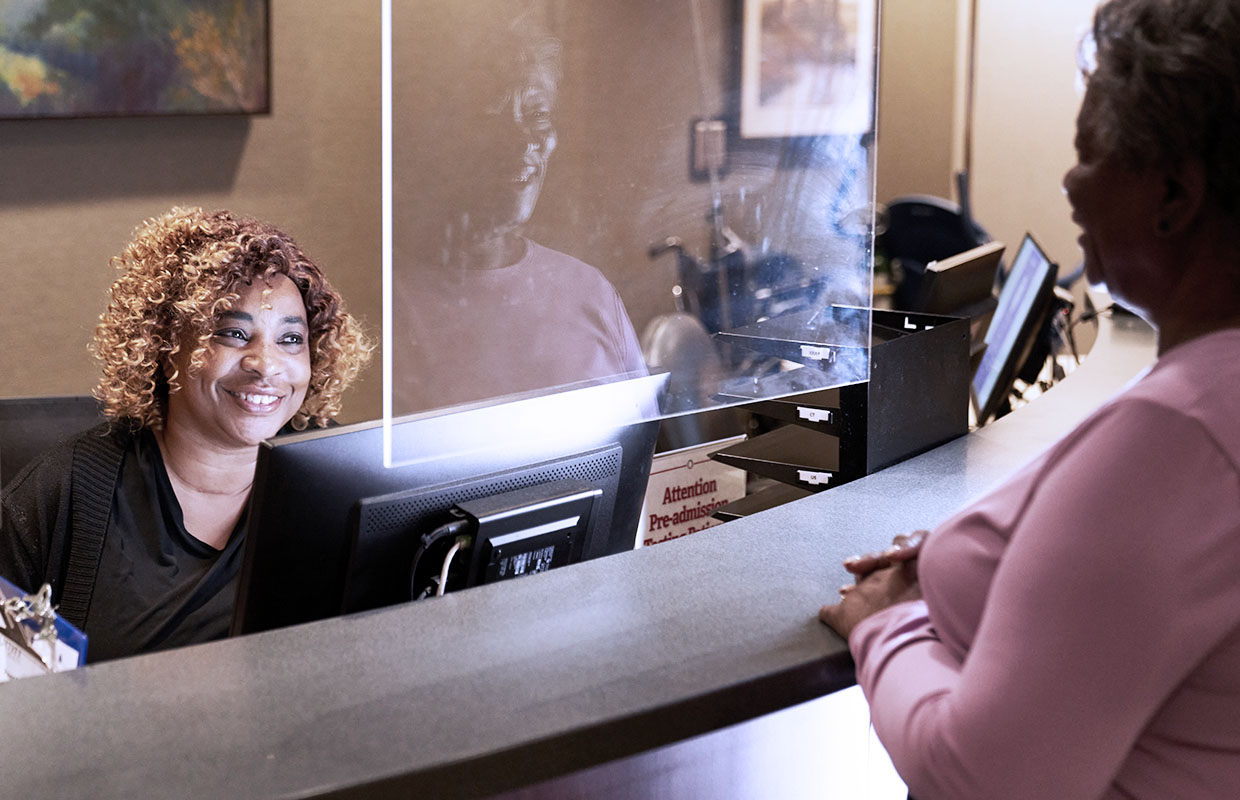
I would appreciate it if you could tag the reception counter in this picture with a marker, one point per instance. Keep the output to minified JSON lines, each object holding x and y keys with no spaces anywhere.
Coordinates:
{"x":529,"y":687}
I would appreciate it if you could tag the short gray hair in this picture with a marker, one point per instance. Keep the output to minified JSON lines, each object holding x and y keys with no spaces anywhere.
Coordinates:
{"x":1166,"y":81}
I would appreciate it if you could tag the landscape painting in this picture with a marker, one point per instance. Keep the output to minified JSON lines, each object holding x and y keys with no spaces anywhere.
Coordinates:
{"x":98,"y":58}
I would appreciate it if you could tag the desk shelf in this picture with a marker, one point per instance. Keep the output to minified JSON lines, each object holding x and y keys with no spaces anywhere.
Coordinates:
{"x":916,"y":397}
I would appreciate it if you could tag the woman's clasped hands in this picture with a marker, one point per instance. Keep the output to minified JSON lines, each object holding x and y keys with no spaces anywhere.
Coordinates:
{"x":880,"y":580}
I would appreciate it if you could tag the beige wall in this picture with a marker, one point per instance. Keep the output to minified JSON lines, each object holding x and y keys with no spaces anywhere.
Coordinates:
{"x":1026,"y":99}
{"x":918,"y":71}
{"x":1024,"y":120}
{"x":71,"y":191}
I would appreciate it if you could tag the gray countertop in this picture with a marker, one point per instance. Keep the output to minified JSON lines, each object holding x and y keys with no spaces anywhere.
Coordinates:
{"x":516,"y":682}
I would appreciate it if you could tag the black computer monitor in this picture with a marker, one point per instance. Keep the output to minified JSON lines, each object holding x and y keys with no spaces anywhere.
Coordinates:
{"x":333,"y":530}
{"x":1024,"y":303}
{"x":30,"y":425}
{"x":963,"y":285}
{"x":961,"y":282}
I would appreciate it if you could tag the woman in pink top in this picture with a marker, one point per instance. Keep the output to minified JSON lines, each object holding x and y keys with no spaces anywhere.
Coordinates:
{"x":1076,"y":633}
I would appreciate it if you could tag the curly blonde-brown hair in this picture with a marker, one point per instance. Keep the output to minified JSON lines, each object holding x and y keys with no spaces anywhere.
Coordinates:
{"x":180,"y":272}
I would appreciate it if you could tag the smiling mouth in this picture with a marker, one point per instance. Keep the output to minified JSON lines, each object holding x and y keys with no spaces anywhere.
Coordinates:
{"x":260,"y":401}
{"x":530,"y":169}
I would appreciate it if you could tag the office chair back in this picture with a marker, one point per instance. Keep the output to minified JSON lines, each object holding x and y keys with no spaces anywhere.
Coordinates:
{"x":30,"y":425}
{"x":920,"y":229}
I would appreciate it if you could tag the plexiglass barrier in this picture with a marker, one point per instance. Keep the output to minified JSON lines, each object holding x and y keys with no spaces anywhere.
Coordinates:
{"x":590,"y":191}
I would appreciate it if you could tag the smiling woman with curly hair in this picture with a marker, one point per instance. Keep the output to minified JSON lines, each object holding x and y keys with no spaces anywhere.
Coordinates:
{"x":155,"y":311}
{"x":220,"y":332}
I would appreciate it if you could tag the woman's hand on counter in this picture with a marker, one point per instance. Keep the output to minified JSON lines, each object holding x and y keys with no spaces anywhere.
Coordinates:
{"x":905,"y":547}
{"x":882,"y":580}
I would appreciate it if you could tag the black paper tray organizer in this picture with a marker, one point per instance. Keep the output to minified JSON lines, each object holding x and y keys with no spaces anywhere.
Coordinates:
{"x":844,"y":421}
{"x":775,"y":495}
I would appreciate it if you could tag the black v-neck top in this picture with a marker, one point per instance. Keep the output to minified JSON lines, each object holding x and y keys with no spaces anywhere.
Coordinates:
{"x":157,"y":586}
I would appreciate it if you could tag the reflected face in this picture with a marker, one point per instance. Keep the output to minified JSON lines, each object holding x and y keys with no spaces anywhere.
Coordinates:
{"x":256,"y":370}
{"x":515,"y":139}
{"x":1116,"y":208}
{"x":475,"y":109}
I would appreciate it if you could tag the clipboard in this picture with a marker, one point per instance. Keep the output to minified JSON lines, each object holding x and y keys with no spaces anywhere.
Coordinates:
{"x":34,"y":639}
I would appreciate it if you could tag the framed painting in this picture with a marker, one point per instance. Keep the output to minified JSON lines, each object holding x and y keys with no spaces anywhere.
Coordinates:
{"x":106,"y":58}
{"x":807,"y":67}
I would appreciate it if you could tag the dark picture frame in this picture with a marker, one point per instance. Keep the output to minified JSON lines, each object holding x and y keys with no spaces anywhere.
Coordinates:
{"x":122,"y":58}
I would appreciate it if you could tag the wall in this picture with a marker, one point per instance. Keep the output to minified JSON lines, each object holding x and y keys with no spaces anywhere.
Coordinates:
{"x":72,"y":191}
{"x":1027,"y":95}
{"x":916,"y":122}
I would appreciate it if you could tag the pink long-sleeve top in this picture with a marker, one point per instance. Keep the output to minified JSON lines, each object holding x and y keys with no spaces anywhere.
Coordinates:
{"x":1079,"y":635}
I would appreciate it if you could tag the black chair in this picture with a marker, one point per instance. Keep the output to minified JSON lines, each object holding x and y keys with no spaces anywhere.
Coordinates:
{"x":920,"y":229}
{"x":29,"y":425}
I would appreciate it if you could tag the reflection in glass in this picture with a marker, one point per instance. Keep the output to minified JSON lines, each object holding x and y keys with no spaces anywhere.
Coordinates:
{"x":480,"y":309}
{"x":554,"y":192}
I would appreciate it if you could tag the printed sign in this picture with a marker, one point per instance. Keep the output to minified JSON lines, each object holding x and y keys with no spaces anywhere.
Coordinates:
{"x":685,"y":488}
